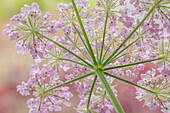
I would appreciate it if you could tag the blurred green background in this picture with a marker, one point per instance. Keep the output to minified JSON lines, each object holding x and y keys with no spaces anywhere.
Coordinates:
{"x":11,"y":7}
{"x":14,"y":68}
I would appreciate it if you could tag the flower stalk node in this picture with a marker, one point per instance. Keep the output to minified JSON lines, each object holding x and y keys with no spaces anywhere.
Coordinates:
{"x":99,"y":67}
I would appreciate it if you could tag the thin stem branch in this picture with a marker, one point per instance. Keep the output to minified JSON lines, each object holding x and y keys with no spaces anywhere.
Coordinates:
{"x":91,"y":90}
{"x":65,"y":49}
{"x":121,"y":66}
{"x":80,"y":37}
{"x":121,"y":79}
{"x":76,"y":79}
{"x":162,"y":103}
{"x":165,"y":15}
{"x":37,"y":80}
{"x":97,"y":51}
{"x":79,"y":49}
{"x":107,"y":50}
{"x":151,"y":10}
{"x":75,"y":62}
{"x":113,"y":59}
{"x":104,"y":33}
{"x":84,"y":32}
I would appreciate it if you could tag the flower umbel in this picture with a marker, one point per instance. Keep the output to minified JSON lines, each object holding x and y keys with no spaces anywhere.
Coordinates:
{"x":94,"y":51}
{"x":28,"y":22}
{"x":38,"y":83}
{"x":158,"y":84}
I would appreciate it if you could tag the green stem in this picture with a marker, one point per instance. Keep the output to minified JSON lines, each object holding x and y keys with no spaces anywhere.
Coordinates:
{"x":108,"y":47}
{"x":84,"y":32}
{"x":79,"y":48}
{"x":144,"y":2}
{"x":97,"y":51}
{"x":29,"y":20}
{"x":163,"y":45}
{"x":122,"y":51}
{"x":91,"y":90}
{"x":34,"y":42}
{"x":76,"y":79}
{"x":153,"y":7}
{"x":75,"y":62}
{"x":165,"y":15}
{"x":65,"y":49}
{"x":37,"y":80}
{"x":160,"y":1}
{"x":80,"y":37}
{"x":162,"y":103}
{"x":109,"y":91}
{"x":121,"y":79}
{"x":104,"y":33}
{"x":121,"y":66}
{"x":113,"y":59}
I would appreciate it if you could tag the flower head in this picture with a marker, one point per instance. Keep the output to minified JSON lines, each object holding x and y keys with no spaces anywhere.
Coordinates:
{"x":160,"y":12}
{"x":158,"y":84}
{"x":39,"y":82}
{"x":25,"y":29}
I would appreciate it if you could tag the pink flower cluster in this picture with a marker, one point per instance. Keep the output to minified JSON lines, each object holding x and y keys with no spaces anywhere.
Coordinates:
{"x":100,"y":101}
{"x":157,"y":83}
{"x":149,"y":42}
{"x":37,"y":84}
{"x":24,"y":29}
